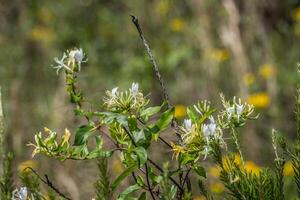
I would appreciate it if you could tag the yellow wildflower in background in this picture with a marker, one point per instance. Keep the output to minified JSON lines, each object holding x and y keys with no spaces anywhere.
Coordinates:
{"x":180,"y":111}
{"x":288,"y":169}
{"x":218,"y":55}
{"x":177,"y":25}
{"x":200,"y":198}
{"x":249,"y":79}
{"x":259,"y":100}
{"x":217,"y":187}
{"x":215,"y":171}
{"x":162,"y":8}
{"x":251,"y":167}
{"x":117,"y":166}
{"x":42,"y":34}
{"x":266,"y":71}
{"x":296,"y":13}
{"x":27,"y":164}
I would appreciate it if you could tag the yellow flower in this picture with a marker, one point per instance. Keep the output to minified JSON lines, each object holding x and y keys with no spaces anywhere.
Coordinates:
{"x":227,"y":164}
{"x":180,"y":111}
{"x":249,"y":79}
{"x":200,"y":198}
{"x":215,"y":171}
{"x":177,"y":25}
{"x":266,"y":71}
{"x":117,"y":166}
{"x":251,"y":167}
{"x":162,"y":8}
{"x":296,"y":13}
{"x":218,"y":55}
{"x":27,"y":164}
{"x":259,"y":100}
{"x":42,"y":34}
{"x":288,"y":169}
{"x":217,"y":187}
{"x":177,"y":150}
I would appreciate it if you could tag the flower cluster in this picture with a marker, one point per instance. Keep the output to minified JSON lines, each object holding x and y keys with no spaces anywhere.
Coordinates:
{"x":71,"y":61}
{"x":21,"y":194}
{"x":198,"y":131}
{"x":125,"y":101}
{"x":236,"y":113}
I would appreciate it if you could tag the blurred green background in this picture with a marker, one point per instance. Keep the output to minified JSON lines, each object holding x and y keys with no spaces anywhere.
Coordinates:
{"x":248,"y":49}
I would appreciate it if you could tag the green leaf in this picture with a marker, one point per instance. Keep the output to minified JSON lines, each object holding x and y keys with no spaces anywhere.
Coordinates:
{"x":82,"y":134}
{"x":128,"y":191}
{"x":142,"y":196}
{"x":200,"y":170}
{"x":141,"y":154}
{"x":110,"y":117}
{"x":148,"y":112}
{"x":163,"y":122}
{"x":122,"y":176}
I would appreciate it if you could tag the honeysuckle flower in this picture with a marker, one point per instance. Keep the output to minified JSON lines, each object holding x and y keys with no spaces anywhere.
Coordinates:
{"x":230,"y":111}
{"x":76,"y":55}
{"x":187,"y":124}
{"x":239,"y":110}
{"x":20,"y":194}
{"x":134,"y":89}
{"x":209,"y":129}
{"x":114,"y":92}
{"x":61,"y":64}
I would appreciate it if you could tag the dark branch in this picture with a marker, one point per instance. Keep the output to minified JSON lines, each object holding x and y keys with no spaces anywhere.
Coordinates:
{"x":48,"y":183}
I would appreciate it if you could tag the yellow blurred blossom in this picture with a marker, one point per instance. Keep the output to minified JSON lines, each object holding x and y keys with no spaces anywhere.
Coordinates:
{"x":259,"y":100}
{"x":227,"y":164}
{"x":177,"y":24}
{"x":217,"y":187}
{"x":200,"y":198}
{"x":42,"y":34}
{"x":266,"y":71}
{"x":251,"y":167}
{"x":162,"y":8}
{"x":219,"y":55}
{"x":249,"y":79}
{"x":117,"y":166}
{"x":296,"y":13}
{"x":215,"y":171}
{"x":177,"y":150}
{"x":180,"y":111}
{"x":27,"y":164}
{"x":288,"y":169}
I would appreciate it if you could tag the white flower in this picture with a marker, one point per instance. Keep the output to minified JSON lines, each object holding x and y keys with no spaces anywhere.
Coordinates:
{"x":61,"y":64}
{"x":187,"y":124}
{"x":20,"y":194}
{"x":114,"y":92}
{"x":239,"y":110}
{"x":134,"y":89}
{"x":209,"y":129}
{"x":230,"y":111}
{"x":77,"y":55}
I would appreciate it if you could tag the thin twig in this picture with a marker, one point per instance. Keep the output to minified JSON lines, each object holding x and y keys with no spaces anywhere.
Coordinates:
{"x":154,"y":64}
{"x":135,"y":21}
{"x":48,"y":183}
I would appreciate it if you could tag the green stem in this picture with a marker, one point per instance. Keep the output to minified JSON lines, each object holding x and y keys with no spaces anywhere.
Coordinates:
{"x":237,"y":144}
